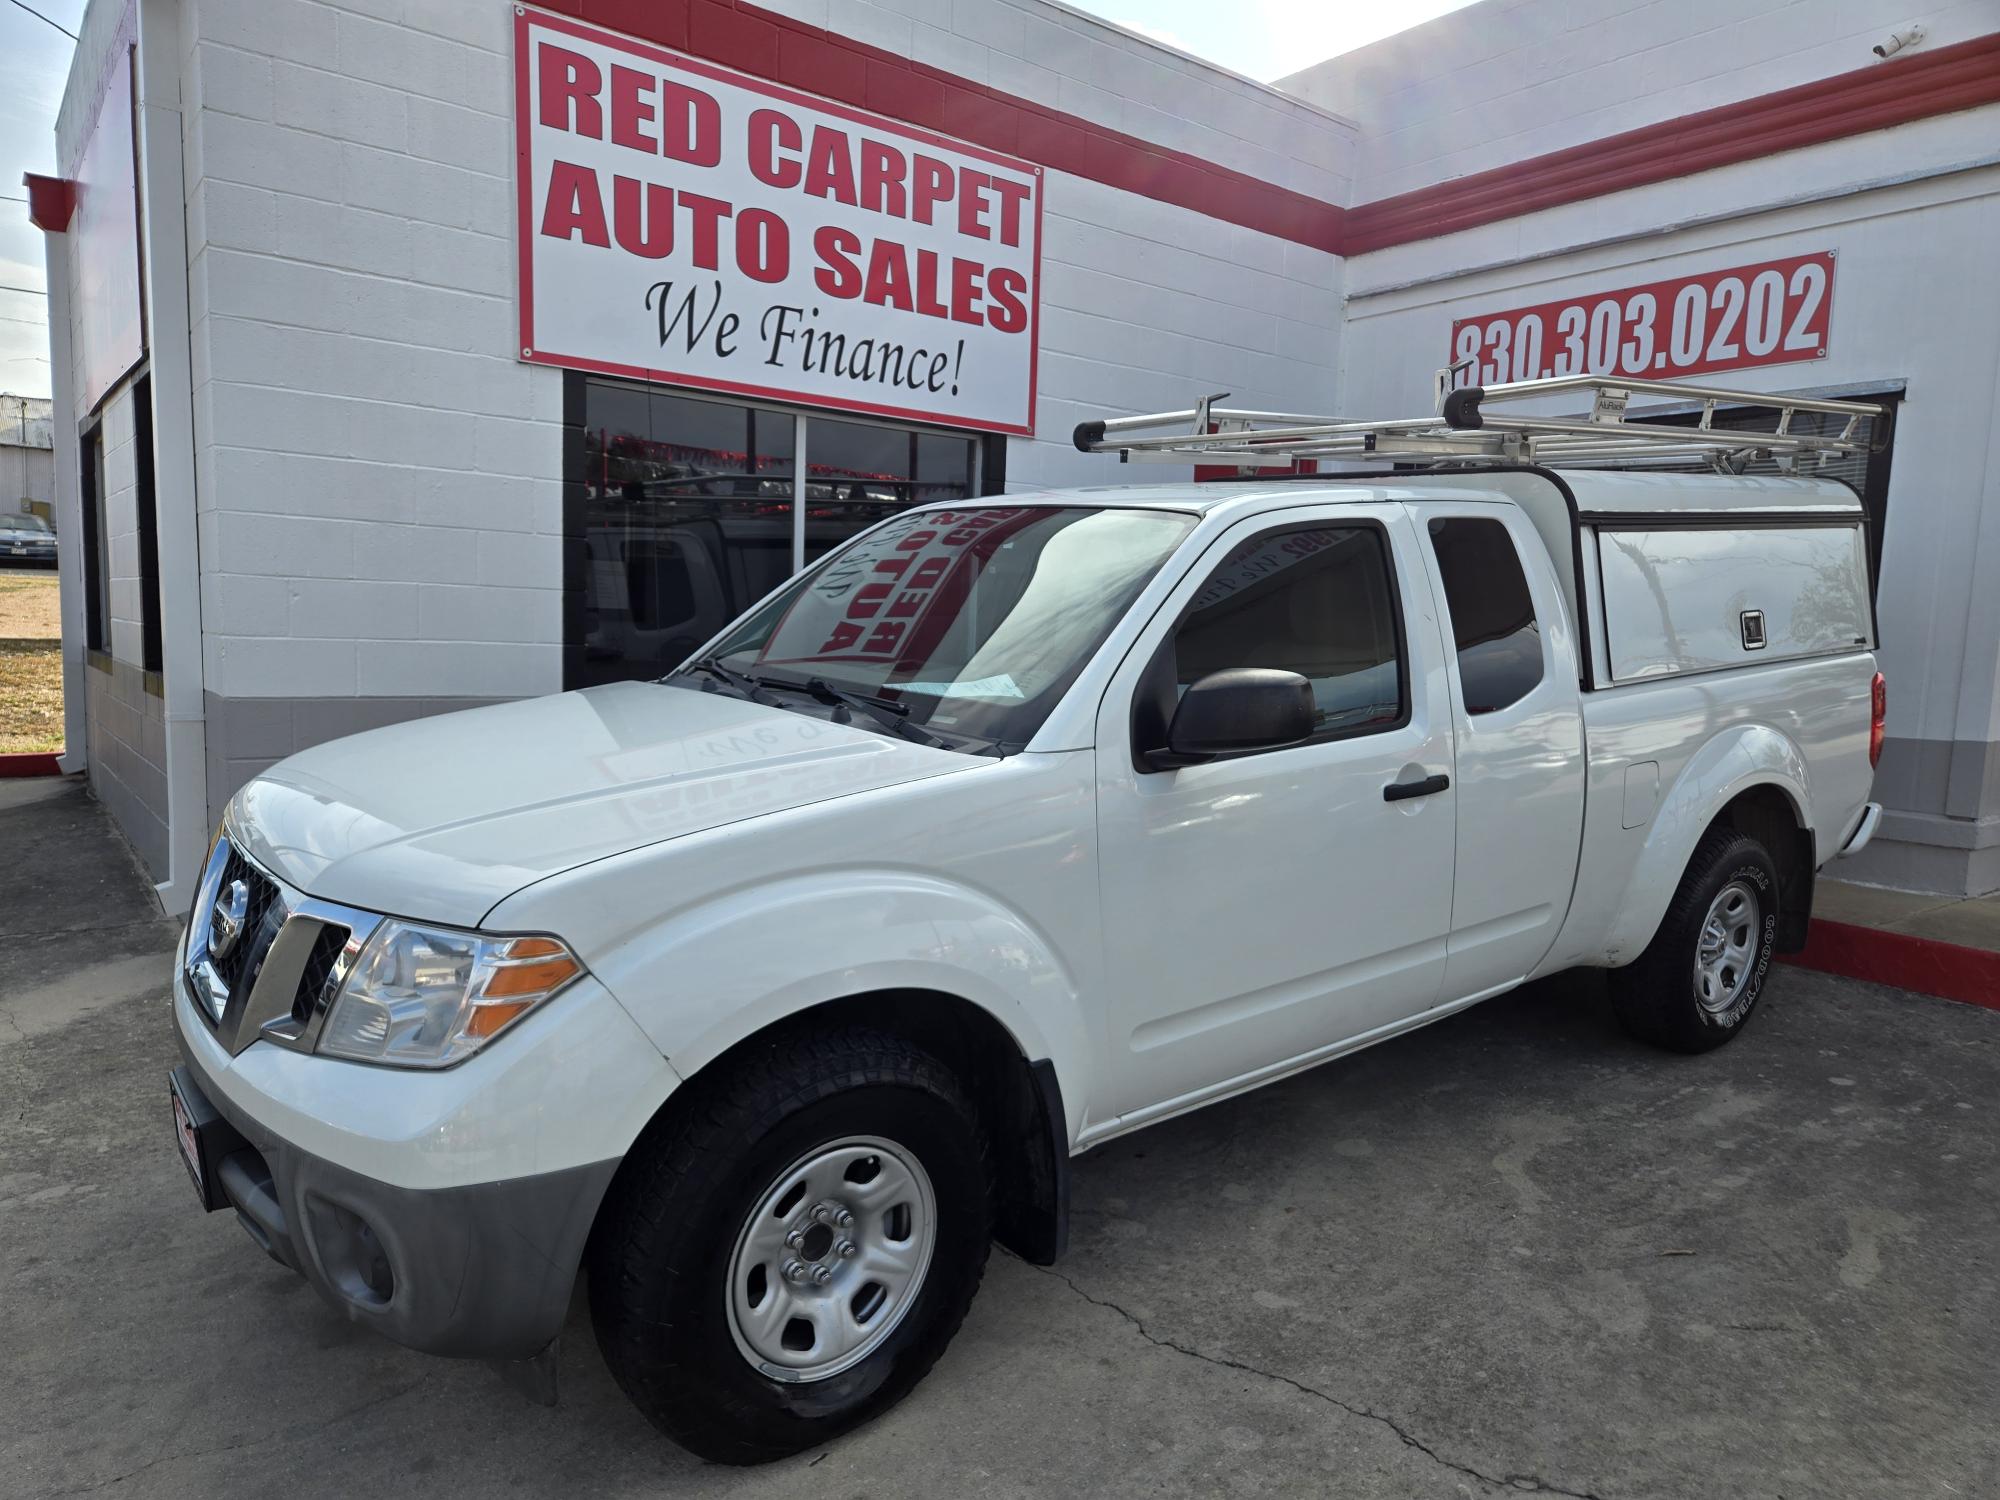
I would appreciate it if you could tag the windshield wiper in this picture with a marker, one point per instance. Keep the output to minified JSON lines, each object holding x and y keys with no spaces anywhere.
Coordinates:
{"x":750,"y":687}
{"x":891,"y":715}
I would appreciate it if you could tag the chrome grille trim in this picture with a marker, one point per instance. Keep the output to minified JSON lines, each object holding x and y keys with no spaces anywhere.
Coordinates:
{"x":265,"y":994}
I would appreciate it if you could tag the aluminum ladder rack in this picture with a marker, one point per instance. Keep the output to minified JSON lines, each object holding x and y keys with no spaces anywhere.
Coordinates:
{"x":1464,"y":430}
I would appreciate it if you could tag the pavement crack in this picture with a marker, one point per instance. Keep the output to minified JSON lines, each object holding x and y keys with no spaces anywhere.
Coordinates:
{"x":1526,"y":1483}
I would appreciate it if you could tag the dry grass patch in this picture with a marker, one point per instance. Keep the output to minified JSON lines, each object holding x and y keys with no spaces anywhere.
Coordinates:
{"x":31,"y":697}
{"x":28,"y":607}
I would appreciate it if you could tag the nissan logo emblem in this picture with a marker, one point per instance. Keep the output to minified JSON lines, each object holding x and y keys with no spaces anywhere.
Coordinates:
{"x":226,"y":926}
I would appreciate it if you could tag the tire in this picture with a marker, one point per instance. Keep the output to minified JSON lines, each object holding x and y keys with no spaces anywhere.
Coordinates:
{"x":1667,"y":996}
{"x":684,"y":1244}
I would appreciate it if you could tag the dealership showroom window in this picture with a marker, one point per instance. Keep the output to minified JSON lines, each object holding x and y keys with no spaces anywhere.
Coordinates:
{"x":690,"y":511}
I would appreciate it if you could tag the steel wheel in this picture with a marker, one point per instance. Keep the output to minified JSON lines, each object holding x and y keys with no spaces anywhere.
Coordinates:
{"x":1727,"y":949}
{"x":831,"y":1258}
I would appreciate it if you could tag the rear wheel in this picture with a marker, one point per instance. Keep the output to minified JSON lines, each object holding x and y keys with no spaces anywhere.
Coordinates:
{"x":1700,"y":978}
{"x":788,"y":1252}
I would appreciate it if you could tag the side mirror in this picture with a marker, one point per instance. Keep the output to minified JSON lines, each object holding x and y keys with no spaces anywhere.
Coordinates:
{"x":1235,"y":711}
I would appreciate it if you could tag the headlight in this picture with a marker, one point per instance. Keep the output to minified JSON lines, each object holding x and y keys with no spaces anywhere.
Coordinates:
{"x":425,"y":997}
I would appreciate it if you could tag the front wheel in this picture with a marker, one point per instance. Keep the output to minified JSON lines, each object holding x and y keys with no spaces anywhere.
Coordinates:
{"x":791,"y":1249}
{"x":1699,"y":979}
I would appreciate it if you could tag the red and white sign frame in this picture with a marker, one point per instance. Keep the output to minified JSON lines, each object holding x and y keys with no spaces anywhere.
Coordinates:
{"x":1694,"y":324}
{"x":542,"y":344}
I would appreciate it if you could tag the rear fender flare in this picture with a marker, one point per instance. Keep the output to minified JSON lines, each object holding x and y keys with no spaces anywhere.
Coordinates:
{"x":1749,"y":755}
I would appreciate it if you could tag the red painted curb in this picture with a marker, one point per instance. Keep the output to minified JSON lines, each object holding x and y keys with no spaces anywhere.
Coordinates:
{"x":28,"y":765}
{"x":1970,"y":975}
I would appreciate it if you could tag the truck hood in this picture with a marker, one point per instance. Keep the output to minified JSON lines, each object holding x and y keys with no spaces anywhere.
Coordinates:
{"x":441,"y":818}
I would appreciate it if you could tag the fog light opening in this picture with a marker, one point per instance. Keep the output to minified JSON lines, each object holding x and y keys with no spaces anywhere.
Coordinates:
{"x":355,"y":1259}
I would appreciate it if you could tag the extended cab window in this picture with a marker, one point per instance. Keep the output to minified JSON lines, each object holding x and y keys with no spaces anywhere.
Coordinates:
{"x":1492,"y":616}
{"x":1314,"y":600}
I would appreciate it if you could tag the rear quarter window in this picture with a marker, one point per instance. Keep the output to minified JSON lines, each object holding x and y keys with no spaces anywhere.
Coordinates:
{"x":1493,"y":625}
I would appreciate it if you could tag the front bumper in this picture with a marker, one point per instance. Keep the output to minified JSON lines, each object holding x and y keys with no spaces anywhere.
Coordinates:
{"x":467,"y":1268}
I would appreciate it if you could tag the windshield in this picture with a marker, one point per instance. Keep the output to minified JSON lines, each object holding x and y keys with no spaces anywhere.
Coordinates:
{"x":968,"y":623}
{"x":27,"y":523}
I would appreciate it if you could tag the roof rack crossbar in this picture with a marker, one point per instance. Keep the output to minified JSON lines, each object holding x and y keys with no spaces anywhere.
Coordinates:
{"x":1465,"y":429}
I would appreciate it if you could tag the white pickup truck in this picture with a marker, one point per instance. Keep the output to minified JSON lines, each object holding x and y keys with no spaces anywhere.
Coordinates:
{"x":770,"y":993}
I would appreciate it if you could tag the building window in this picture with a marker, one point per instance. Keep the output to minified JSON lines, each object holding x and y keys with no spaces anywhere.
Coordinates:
{"x":148,"y":524}
{"x":859,"y":472}
{"x":96,"y":559}
{"x":1492,"y":616}
{"x":1316,"y":601}
{"x":681,"y":512}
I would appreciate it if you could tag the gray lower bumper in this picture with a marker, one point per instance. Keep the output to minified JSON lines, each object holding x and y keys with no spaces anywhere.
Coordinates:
{"x":482,"y":1271}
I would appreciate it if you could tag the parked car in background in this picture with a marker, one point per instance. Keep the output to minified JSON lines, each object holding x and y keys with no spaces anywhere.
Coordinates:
{"x":27,"y":538}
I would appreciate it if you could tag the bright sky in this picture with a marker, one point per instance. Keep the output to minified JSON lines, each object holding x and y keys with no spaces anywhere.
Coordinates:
{"x":34,"y":63}
{"x":1267,"y":39}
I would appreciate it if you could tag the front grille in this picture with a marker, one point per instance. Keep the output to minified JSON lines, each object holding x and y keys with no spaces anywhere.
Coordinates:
{"x":319,"y":967}
{"x":259,"y":928}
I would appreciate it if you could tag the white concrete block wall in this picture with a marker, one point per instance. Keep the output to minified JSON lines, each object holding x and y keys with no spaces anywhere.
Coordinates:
{"x":1505,"y":80}
{"x":381,"y":507}
{"x":26,"y":474}
{"x":1149,"y":307}
{"x":120,"y":536}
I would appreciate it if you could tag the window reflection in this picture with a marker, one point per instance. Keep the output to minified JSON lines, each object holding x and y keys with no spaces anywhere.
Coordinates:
{"x":687,"y":512}
{"x":858,"y":472}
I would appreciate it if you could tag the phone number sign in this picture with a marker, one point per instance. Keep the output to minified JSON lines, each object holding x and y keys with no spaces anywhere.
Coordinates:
{"x":1772,"y":313}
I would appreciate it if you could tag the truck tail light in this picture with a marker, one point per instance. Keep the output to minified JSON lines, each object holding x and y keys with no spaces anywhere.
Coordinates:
{"x":1878,"y":716}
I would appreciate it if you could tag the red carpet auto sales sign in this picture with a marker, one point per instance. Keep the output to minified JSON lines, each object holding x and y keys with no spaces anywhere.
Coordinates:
{"x":683,"y":223}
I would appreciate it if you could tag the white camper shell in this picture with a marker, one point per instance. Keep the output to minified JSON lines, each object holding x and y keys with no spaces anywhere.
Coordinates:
{"x":1690,"y":573}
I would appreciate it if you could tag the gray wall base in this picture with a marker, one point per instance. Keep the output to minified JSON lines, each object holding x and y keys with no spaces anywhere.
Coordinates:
{"x":126,"y":730}
{"x":1922,"y":867}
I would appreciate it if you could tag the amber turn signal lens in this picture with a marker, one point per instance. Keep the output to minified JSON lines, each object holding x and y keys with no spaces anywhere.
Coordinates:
{"x":535,"y":947}
{"x":536,"y":978}
{"x":487,"y":1019}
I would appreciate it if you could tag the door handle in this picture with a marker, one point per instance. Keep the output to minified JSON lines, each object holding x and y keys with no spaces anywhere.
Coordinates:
{"x":1397,"y":791}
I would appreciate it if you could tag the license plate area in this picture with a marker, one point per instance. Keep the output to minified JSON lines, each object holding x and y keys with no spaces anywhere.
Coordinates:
{"x":202,"y":1136}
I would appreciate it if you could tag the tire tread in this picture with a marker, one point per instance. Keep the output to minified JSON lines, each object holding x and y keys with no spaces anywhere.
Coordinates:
{"x":649,"y":1243}
{"x":1653,"y":996}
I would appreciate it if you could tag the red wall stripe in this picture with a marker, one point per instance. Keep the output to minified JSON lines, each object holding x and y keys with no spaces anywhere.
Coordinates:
{"x":1961,"y":76}
{"x":760,"y":42}
{"x":740,"y":35}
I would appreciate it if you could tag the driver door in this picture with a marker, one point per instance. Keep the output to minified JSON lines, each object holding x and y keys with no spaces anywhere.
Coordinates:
{"x":1264,"y":907}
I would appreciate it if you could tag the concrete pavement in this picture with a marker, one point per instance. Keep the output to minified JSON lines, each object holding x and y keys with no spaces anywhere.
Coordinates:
{"x":1512,"y":1252}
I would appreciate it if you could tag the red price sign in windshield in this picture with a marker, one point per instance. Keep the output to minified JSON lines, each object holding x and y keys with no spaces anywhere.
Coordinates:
{"x":1774,"y":313}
